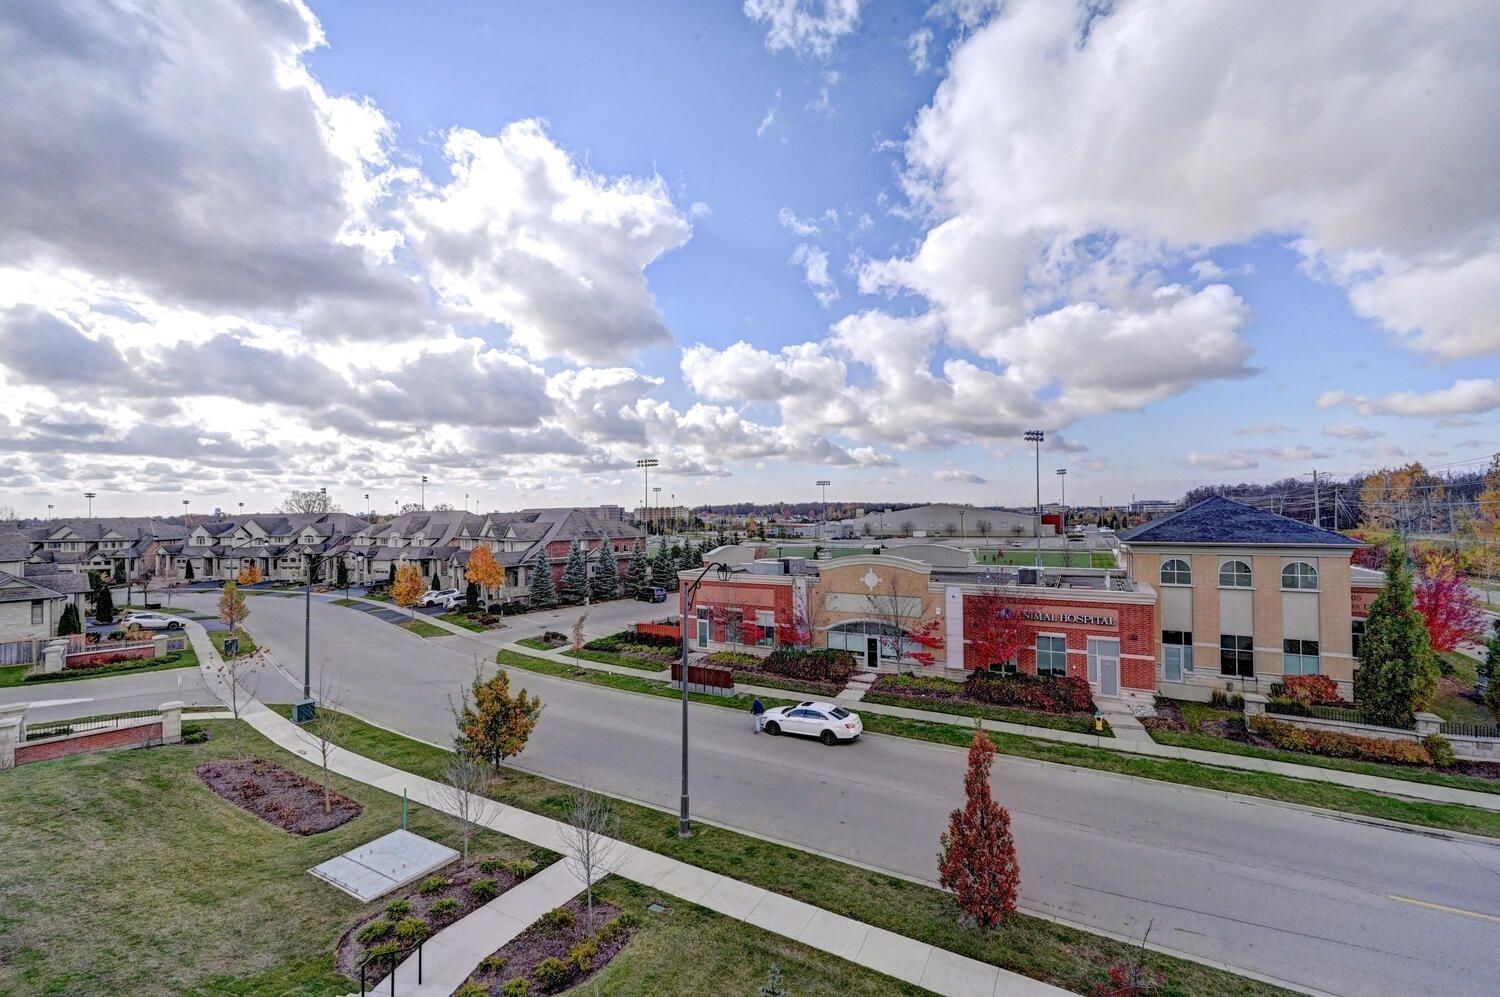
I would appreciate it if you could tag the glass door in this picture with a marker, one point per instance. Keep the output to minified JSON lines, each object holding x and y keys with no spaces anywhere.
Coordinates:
{"x":1104,"y":664}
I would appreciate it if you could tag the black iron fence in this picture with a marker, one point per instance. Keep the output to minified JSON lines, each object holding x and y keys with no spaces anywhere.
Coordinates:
{"x":87,"y":725}
{"x":1470,"y":730}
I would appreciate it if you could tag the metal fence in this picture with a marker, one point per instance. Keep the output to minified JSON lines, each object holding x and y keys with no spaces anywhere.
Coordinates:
{"x":1292,"y":709}
{"x":18,"y":652}
{"x":57,"y":728}
{"x":1470,"y":730}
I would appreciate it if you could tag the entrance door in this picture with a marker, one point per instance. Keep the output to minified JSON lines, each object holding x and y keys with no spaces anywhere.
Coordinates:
{"x":703,"y":632}
{"x":872,"y":652}
{"x":1104,"y":655}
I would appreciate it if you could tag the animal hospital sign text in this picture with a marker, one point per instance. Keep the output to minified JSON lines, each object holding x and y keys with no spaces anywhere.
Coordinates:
{"x":1079,"y":619}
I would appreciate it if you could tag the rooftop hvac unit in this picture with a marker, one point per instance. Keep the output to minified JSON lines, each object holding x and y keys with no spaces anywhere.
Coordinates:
{"x":1029,"y":576}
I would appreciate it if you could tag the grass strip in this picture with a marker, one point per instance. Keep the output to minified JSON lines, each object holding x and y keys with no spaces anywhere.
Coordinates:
{"x":624,"y":683}
{"x":423,"y":629}
{"x":247,"y":643}
{"x":1064,"y":956}
{"x":460,"y":620}
{"x":616,"y":658}
{"x":537,"y":644}
{"x":1004,"y":714}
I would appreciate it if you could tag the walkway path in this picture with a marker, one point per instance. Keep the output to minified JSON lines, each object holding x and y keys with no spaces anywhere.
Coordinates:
{"x":906,"y":959}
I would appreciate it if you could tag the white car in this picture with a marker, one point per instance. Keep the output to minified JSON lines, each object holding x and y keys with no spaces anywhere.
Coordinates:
{"x":437,"y":597}
{"x":827,"y":722}
{"x":452,"y":602}
{"x":151,"y":621}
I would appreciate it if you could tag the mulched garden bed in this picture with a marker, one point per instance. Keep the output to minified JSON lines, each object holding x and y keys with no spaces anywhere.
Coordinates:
{"x":405,"y":918}
{"x":562,"y":947}
{"x":277,"y":796}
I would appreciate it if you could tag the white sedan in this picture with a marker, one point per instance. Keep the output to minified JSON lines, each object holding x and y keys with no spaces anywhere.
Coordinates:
{"x":827,"y":722}
{"x":152,"y":621}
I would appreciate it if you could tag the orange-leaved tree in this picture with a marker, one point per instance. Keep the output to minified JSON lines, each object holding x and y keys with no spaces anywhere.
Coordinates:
{"x":250,"y":574}
{"x":978,"y":857}
{"x":483,"y":570}
{"x":232,"y":608}
{"x":409,"y":587}
{"x":493,"y":725}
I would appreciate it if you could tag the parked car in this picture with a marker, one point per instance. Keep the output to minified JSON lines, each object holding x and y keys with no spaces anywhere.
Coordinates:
{"x":151,"y":621}
{"x":827,"y":722}
{"x":1016,"y":543}
{"x":437,"y":597}
{"x":452,"y":602}
{"x":652,"y":593}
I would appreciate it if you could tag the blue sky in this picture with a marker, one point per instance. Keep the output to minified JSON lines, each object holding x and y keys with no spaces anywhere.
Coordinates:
{"x":767,"y":243}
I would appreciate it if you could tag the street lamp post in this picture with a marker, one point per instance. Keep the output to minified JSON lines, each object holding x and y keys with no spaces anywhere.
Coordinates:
{"x":1035,"y":436}
{"x":49,"y":510}
{"x":660,"y":519}
{"x":90,"y":496}
{"x":303,"y":711}
{"x":1062,"y":479}
{"x":424,"y":492}
{"x":684,"y":824}
{"x":645,"y":464}
{"x":823,"y":530}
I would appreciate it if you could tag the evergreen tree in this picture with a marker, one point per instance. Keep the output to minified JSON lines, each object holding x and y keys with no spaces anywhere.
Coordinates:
{"x":664,"y":570}
{"x":691,"y":557}
{"x":471,"y":596}
{"x":104,"y":605}
{"x":188,"y":573}
{"x":434,"y":585}
{"x":774,"y":985}
{"x":574,"y":585}
{"x":1491,"y":667}
{"x":391,"y":576}
{"x":721,"y":539}
{"x":341,"y":575}
{"x":637,"y":572}
{"x":68,"y":622}
{"x":674,"y":554}
{"x":543,"y":594}
{"x":1397,"y":673}
{"x":605,"y":585}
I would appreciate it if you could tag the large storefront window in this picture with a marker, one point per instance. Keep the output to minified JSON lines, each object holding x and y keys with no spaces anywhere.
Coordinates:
{"x":1052,"y":656}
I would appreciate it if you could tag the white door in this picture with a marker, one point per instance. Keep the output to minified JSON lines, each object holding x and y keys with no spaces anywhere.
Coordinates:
{"x":1104,"y":665}
{"x":703,"y":632}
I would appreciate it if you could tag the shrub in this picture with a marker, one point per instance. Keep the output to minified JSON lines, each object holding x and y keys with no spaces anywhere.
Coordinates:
{"x":582,"y":955}
{"x":555,"y":637}
{"x":443,"y":909}
{"x":1069,"y":694}
{"x":373,"y":932}
{"x":1441,"y":750}
{"x":492,"y":867}
{"x":558,"y":919}
{"x":494,"y":963}
{"x":1220,"y":700}
{"x":484,"y":890}
{"x":1336,"y":744}
{"x":734,"y":659}
{"x":553,"y":973}
{"x":432,"y":885}
{"x":384,"y":950}
{"x":471,"y":989}
{"x":516,"y":988}
{"x":520,"y":868}
{"x":817,"y":664}
{"x":398,"y":908}
{"x":410,"y":930}
{"x":194,"y":734}
{"x":1288,"y":707}
{"x":1311,"y":690}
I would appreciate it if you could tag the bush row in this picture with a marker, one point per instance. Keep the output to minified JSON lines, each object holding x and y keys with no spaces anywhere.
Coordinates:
{"x":1067,"y":694}
{"x":1336,"y":744}
{"x":1309,"y":690}
{"x":129,"y":665}
{"x":816,"y":664}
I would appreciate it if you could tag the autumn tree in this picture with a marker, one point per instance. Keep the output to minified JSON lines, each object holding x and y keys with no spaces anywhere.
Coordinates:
{"x":1450,"y":609}
{"x":492,"y":724}
{"x":898,"y":602}
{"x":1397,"y":673}
{"x":313,"y":501}
{"x":483,"y":570}
{"x":543,"y":594}
{"x":605,"y":583}
{"x":998,"y":632}
{"x":409,"y":588}
{"x":250,"y":575}
{"x":573,"y":587}
{"x":637,"y":572}
{"x":232,"y":607}
{"x":1487,"y":504}
{"x":1402,"y":499}
{"x":977,"y":860}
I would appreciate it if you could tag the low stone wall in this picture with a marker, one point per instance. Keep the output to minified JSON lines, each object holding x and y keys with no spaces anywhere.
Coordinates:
{"x":105,"y":654}
{"x":141,"y":735}
{"x":1479,"y":749}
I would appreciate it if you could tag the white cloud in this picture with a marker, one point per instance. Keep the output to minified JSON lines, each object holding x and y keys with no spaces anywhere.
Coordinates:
{"x":1207,"y":270}
{"x":917,"y":44}
{"x":1350,"y":431}
{"x":1235,"y":460}
{"x":1262,"y":429}
{"x":814,"y":264}
{"x":769,"y":118}
{"x":525,"y":237}
{"x":960,"y":476}
{"x":1467,"y":396}
{"x":807,"y":27}
{"x":801,"y":226}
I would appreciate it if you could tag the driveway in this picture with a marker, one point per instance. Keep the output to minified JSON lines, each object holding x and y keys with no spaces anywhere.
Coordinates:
{"x":1304,"y":896}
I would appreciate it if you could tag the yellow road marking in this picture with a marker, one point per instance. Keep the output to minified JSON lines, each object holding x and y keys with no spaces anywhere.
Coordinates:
{"x":1446,"y":909}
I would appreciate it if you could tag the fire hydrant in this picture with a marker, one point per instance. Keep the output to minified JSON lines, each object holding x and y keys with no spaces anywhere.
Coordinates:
{"x":1098,"y":722}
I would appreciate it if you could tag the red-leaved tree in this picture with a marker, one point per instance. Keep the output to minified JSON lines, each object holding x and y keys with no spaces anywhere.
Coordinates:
{"x":1445,"y":601}
{"x":929,"y":638}
{"x":978,"y":857}
{"x":997,"y":632}
{"x":796,"y":632}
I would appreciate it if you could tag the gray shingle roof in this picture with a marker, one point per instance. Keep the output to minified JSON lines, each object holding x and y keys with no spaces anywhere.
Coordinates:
{"x":1220,"y":520}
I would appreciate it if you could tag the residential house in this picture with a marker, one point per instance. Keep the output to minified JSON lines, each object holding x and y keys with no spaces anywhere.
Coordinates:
{"x":32,"y":597}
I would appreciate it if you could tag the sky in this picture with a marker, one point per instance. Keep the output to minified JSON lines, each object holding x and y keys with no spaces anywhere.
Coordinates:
{"x":248,"y":246}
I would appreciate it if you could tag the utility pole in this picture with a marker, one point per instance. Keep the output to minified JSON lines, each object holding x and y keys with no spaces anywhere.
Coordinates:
{"x":1335,"y":510}
{"x":1317,"y":506}
{"x":424,"y":492}
{"x":90,"y":496}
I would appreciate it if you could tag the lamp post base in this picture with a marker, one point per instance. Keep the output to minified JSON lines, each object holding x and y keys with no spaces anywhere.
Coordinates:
{"x":684,"y":826}
{"x":303,"y":710}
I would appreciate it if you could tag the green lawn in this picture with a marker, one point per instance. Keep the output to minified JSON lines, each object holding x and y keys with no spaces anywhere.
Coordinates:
{"x":616,"y":658}
{"x":1452,"y":704}
{"x":14,"y":675}
{"x":1034,"y":947}
{"x":1195,"y":714}
{"x":380,"y":597}
{"x":347,"y":602}
{"x":247,"y":643}
{"x":423,"y":629}
{"x":625,"y":683}
{"x":1004,"y":714}
{"x":460,"y":620}
{"x":125,"y":875}
{"x":1025,"y":557}
{"x":536,"y":643}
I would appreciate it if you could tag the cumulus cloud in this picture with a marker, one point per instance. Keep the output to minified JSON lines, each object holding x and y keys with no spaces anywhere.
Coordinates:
{"x":524,"y":237}
{"x":814,"y":264}
{"x":1262,"y":429}
{"x":807,"y":27}
{"x":1350,"y":431}
{"x":1235,"y":460}
{"x":1467,"y":396}
{"x":960,"y":476}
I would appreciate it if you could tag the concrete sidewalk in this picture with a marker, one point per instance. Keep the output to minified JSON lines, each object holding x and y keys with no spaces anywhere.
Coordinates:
{"x":903,"y":958}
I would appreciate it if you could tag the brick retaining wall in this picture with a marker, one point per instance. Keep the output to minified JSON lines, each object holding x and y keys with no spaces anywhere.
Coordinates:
{"x":78,"y":744}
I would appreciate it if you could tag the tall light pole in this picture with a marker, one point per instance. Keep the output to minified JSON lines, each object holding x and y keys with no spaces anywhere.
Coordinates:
{"x":49,"y":510}
{"x":242,"y":508}
{"x":303,"y":712}
{"x":1062,"y":479}
{"x":684,"y":825}
{"x":823,"y":530}
{"x":368,"y":507}
{"x":660,"y":520}
{"x":90,"y":496}
{"x":423,"y":499}
{"x":645,"y":464}
{"x":185,"y":510}
{"x":1035,"y":436}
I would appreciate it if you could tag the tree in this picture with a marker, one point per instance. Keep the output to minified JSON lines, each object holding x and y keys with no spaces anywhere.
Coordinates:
{"x":1402,"y":499}
{"x":605,"y":583}
{"x":692,"y":557}
{"x":471,"y":597}
{"x":461,"y":794}
{"x":104,"y":605}
{"x":589,"y":841}
{"x":435,"y":583}
{"x":187,"y":573}
{"x":68,"y":623}
{"x":999,"y":634}
{"x":1490,"y":668}
{"x":493,"y":725}
{"x":578,"y":632}
{"x":1450,"y":609}
{"x":543,"y":593}
{"x":977,"y":860}
{"x":408,"y":588}
{"x":1487,"y":504}
{"x":907,"y":526}
{"x":898,"y":603}
{"x":313,"y":501}
{"x":239,"y":674}
{"x":390,"y":576}
{"x":250,"y":574}
{"x":574,"y":584}
{"x":984,"y":526}
{"x":637,"y":572}
{"x":145,"y":577}
{"x":774,"y":985}
{"x":232,"y":607}
{"x":664,"y":570}
{"x":1397,"y":674}
{"x":483,"y":570}
{"x":325,"y":730}
{"x":341,"y":575}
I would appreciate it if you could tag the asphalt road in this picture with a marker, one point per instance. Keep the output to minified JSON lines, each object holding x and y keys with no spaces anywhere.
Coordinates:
{"x":1318,"y":900}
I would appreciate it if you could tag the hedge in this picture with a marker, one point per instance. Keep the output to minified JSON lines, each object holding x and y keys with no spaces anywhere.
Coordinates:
{"x":817,"y":664}
{"x":1068,"y":694}
{"x":1336,"y":744}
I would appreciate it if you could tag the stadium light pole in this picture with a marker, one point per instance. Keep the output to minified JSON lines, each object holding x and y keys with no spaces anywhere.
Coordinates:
{"x":424,"y":492}
{"x":1035,"y":436}
{"x":90,"y":496}
{"x":645,"y":464}
{"x":823,"y":531}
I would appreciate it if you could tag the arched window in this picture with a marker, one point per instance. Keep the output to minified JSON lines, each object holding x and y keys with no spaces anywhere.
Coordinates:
{"x":1175,"y":571}
{"x":1234,"y":575}
{"x":1299,"y":575}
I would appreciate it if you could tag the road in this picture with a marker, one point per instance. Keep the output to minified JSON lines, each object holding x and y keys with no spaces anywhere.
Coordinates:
{"x":1305,"y":897}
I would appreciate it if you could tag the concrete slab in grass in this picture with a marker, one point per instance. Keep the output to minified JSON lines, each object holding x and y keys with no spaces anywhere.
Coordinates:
{"x":687,"y":882}
{"x":832,"y":933}
{"x":385,"y":864}
{"x":644,"y":867}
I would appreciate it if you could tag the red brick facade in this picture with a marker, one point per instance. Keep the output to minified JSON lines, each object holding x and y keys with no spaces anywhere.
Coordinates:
{"x":722,"y":600}
{"x":1134,"y":627}
{"x":108,"y":655}
{"x":104,"y":740}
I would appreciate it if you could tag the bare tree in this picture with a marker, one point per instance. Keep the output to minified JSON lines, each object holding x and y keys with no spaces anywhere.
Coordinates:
{"x":312,"y":501}
{"x":240,"y":674}
{"x":461,"y":794}
{"x":578,"y":633}
{"x":326,"y":729}
{"x":589,"y":840}
{"x":984,"y":526}
{"x":899,"y":603}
